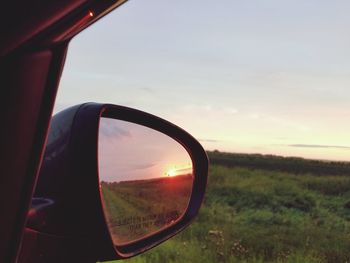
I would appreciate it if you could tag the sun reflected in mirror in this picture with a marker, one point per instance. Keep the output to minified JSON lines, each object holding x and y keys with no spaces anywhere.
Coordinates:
{"x":146,"y":179}
{"x":178,"y":170}
{"x":171,"y":172}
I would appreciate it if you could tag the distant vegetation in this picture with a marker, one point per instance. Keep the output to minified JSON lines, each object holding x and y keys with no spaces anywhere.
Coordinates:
{"x":266,"y":209}
{"x":294,"y":165}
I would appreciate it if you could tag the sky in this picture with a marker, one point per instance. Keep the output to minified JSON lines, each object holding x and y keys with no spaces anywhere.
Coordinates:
{"x":128,"y":151}
{"x":269,"y":77}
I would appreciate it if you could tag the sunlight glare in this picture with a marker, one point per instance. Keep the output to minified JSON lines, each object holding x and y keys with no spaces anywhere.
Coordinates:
{"x":171,"y":172}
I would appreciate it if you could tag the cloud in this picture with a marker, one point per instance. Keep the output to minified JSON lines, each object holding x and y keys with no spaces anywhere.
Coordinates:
{"x":209,"y":140}
{"x":255,"y":116}
{"x":280,"y":122}
{"x":113,"y":131}
{"x":231,"y":110}
{"x":142,"y":166}
{"x":147,"y":89}
{"x":93,"y":75}
{"x":339,"y":147}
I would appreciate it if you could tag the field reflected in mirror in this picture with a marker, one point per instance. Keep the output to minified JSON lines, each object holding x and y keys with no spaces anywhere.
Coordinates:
{"x":146,"y":179}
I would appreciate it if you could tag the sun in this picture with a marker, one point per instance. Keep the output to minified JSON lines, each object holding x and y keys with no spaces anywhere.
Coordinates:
{"x":171,"y":172}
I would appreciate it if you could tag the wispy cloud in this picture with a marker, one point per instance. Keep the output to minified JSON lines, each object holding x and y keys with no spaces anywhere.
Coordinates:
{"x":142,"y":166}
{"x":209,"y":140}
{"x":113,"y":131}
{"x":147,"y":89}
{"x":231,"y":110}
{"x":282,"y":122}
{"x":93,"y":75}
{"x":341,"y":147}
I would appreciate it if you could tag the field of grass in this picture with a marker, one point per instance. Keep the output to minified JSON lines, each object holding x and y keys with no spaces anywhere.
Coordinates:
{"x":140,"y":207}
{"x":264,"y":215}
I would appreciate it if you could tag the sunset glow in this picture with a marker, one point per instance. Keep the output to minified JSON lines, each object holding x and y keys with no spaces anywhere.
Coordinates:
{"x":266,"y":82}
{"x":171,"y":172}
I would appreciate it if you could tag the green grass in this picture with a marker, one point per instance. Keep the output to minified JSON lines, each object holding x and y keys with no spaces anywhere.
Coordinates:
{"x":252,"y":215}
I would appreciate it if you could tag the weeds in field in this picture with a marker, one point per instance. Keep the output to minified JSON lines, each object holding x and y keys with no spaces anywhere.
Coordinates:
{"x":252,"y":216}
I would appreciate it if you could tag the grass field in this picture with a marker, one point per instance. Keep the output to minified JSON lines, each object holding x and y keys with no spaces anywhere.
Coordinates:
{"x":140,"y":207}
{"x":265,"y":215}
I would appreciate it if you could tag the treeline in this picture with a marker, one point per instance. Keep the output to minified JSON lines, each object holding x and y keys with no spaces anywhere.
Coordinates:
{"x":278,"y":163}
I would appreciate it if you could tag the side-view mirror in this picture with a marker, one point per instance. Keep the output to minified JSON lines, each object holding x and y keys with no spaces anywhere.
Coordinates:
{"x":114,"y":183}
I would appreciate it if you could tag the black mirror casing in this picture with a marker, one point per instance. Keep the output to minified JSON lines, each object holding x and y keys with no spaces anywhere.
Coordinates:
{"x":67,"y":201}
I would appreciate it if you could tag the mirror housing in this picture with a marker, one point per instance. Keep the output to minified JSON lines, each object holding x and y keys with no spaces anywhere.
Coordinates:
{"x":67,"y":201}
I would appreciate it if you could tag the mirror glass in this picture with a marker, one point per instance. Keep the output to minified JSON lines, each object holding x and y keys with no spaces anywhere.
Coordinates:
{"x":146,"y":179}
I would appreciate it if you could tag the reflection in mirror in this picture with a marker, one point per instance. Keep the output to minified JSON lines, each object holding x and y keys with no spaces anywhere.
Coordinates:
{"x":146,"y":179}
